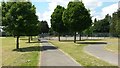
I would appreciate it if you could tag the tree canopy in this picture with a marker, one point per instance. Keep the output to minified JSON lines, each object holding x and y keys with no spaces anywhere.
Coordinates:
{"x":43,"y":27}
{"x":115,"y":24}
{"x":102,"y":26}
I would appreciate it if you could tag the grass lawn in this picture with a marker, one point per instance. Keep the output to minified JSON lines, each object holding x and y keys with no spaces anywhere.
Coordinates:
{"x":76,"y":51}
{"x":27,"y":56}
{"x":113,"y":46}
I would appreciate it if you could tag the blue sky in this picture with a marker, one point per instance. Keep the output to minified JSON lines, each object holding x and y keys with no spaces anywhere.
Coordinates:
{"x":41,"y":6}
{"x":98,"y":8}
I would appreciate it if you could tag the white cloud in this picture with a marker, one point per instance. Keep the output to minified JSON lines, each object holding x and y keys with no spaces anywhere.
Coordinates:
{"x":110,"y":9}
{"x":106,"y":10}
{"x":92,"y":4}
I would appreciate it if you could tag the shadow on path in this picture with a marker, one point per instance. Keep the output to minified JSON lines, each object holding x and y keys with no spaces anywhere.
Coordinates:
{"x":43,"y":48}
{"x":28,"y":49}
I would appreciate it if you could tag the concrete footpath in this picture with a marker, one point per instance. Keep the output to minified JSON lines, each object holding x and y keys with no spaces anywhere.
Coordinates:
{"x":52,"y":56}
{"x":98,"y":51}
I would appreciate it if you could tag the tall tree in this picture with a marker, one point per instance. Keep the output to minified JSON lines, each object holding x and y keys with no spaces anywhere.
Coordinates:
{"x":95,"y":20}
{"x":56,"y":21}
{"x":18,"y":18}
{"x":76,"y":17}
{"x":113,"y":23}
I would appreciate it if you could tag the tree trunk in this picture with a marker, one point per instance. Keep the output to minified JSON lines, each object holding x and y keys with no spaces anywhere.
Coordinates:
{"x":80,"y":37}
{"x":17,"y":43}
{"x":29,"y":39}
{"x":59,"y":37}
{"x":75,"y":37}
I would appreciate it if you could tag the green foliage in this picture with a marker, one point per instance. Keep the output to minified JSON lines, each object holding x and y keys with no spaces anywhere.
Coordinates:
{"x":0,"y":15}
{"x":19,"y":18}
{"x":118,"y":23}
{"x":115,"y":24}
{"x":43,"y":27}
{"x":102,"y":26}
{"x":76,"y":17}
{"x":56,"y":20}
{"x":88,"y":31}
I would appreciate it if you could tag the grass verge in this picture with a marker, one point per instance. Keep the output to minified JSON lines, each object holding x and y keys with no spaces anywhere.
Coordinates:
{"x":76,"y":52}
{"x":25,"y":57}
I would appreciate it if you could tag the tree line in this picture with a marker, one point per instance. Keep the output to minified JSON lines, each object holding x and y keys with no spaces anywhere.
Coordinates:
{"x":109,"y":25}
{"x":77,"y":19}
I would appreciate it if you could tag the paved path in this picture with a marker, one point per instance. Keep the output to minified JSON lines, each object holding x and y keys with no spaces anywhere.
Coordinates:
{"x":98,"y":51}
{"x":52,"y":56}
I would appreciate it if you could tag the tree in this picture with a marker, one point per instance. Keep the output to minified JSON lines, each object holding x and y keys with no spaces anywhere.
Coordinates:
{"x":95,"y":20}
{"x":43,"y":27}
{"x":88,"y":31}
{"x":76,"y":17}
{"x":31,"y":21}
{"x":56,"y":21}
{"x":18,"y":18}
{"x":118,"y":23}
{"x":0,"y":15}
{"x":102,"y":26}
{"x":113,"y":24}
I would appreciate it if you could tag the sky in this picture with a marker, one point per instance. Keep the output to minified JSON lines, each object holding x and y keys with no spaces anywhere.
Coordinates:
{"x":98,"y":8}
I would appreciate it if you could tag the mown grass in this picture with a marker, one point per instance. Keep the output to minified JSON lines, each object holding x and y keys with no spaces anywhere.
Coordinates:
{"x":12,"y":57}
{"x":112,"y":48}
{"x":112,"y":45}
{"x":76,"y":51}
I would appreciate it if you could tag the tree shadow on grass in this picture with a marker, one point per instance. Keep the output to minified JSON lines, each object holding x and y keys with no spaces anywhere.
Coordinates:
{"x":35,"y":48}
{"x":91,"y":42}
{"x":28,"y":49}
{"x":34,"y":42}
{"x":92,"y":39}
{"x":81,"y":40}
{"x":69,"y":40}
